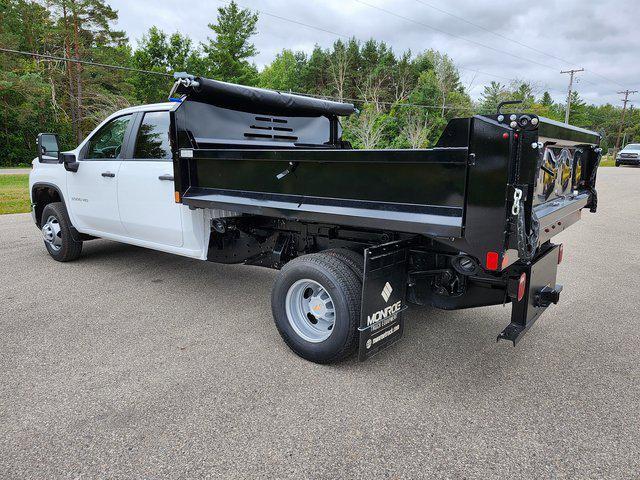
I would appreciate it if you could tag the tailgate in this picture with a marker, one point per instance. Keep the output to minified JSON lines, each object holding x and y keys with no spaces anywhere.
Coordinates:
{"x":553,"y":179}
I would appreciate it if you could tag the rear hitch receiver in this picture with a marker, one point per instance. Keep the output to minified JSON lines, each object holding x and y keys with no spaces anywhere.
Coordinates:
{"x":547,"y":296}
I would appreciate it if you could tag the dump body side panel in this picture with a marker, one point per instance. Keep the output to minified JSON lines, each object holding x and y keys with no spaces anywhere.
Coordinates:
{"x":417,"y":191}
{"x":251,"y":168}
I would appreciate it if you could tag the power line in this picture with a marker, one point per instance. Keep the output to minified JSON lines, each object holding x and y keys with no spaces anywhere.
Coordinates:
{"x":431,"y":27}
{"x":397,"y":104}
{"x":341,"y":35}
{"x":490,"y":31}
{"x":297,"y":22}
{"x":84,"y":62}
{"x":518,"y":42}
{"x":131,"y":69}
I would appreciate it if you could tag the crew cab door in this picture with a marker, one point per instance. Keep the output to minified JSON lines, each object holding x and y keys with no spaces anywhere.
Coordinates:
{"x":92,"y":189}
{"x":146,"y":202}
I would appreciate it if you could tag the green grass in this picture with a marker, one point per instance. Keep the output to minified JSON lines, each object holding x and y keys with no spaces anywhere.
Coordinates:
{"x":14,"y":194}
{"x":607,"y":161}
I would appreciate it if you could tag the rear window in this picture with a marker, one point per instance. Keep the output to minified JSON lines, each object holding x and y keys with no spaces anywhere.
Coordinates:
{"x":153,"y":137}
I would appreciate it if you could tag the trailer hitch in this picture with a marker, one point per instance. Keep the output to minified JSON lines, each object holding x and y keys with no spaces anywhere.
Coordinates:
{"x":547,"y":296}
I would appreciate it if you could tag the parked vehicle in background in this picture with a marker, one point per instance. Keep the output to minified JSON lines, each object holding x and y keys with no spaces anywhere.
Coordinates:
{"x":629,"y":155}
{"x":234,"y":174}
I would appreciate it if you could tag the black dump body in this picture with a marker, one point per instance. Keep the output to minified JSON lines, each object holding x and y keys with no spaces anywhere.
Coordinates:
{"x":260,"y":152}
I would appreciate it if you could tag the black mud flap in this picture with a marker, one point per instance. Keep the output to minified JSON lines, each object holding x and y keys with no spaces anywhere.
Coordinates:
{"x":541,"y":291}
{"x":383,"y":297}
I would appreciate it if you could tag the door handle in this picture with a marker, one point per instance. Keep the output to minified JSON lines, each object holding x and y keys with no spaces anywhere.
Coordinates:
{"x":108,"y":174}
{"x":166,"y":177}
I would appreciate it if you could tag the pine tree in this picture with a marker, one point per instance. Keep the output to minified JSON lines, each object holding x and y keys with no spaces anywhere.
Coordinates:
{"x":159,"y":53}
{"x":492,"y":95}
{"x":228,"y":53}
{"x":546,"y":99}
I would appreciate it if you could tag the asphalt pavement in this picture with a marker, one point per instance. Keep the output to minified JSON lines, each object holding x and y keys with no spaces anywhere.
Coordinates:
{"x":131,"y":363}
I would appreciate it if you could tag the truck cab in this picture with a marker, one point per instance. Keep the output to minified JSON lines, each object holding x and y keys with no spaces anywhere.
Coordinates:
{"x":118,"y":184}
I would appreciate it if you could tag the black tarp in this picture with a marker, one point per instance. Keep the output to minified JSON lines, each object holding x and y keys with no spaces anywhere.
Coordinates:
{"x":261,"y":101}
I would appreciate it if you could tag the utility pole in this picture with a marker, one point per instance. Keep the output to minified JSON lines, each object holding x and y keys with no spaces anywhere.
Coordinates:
{"x":571,"y":74}
{"x":625,"y":100}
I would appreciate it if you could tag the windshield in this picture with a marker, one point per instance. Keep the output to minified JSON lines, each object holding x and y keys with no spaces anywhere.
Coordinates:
{"x":632,"y":146}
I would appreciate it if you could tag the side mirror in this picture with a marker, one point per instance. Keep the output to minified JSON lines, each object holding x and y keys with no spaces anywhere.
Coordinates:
{"x":48,"y":149}
{"x":69,"y":161}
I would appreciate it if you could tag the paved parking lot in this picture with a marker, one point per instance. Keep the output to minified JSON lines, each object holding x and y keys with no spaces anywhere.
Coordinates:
{"x":135,"y":364}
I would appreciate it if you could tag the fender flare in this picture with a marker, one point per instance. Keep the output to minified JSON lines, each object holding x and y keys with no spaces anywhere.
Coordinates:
{"x":77,"y":236}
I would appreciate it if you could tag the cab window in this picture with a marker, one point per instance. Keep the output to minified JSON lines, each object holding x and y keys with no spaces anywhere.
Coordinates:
{"x":107,"y":142}
{"x":153,"y":137}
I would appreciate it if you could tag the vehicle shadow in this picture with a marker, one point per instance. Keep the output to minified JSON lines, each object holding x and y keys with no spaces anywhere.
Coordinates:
{"x":436,"y":343}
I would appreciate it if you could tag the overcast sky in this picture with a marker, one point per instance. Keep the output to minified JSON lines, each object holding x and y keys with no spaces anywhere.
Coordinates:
{"x":602,"y":36}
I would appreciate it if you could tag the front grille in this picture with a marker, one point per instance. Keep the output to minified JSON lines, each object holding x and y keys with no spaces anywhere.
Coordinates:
{"x":629,"y":155}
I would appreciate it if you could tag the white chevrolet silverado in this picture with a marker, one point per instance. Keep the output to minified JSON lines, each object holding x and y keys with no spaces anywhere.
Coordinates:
{"x":234,"y":174}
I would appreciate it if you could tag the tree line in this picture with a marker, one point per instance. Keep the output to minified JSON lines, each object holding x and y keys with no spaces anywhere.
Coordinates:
{"x":404,"y":99}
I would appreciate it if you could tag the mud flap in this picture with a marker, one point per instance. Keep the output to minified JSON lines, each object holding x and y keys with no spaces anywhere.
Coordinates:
{"x":383,"y":297}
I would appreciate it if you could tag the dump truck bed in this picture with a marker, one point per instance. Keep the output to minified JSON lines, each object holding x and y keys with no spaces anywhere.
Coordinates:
{"x":296,"y":167}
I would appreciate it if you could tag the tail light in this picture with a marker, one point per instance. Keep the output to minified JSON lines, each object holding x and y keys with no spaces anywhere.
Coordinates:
{"x":492,"y":260}
{"x":560,"y":253}
{"x":522,"y":285}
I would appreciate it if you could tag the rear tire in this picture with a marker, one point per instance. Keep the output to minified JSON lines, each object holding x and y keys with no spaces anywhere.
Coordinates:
{"x":355,"y":260}
{"x":56,"y":231}
{"x":316,"y":307}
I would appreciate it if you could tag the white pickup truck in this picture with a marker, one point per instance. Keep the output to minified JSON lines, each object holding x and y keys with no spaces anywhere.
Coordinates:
{"x":123,"y":190}
{"x":233,"y":174}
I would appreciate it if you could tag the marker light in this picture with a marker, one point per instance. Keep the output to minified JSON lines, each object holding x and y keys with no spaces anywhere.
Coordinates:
{"x":177,"y":197}
{"x":522,"y":284}
{"x":492,"y":260}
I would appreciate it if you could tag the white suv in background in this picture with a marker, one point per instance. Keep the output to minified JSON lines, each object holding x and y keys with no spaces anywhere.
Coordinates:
{"x":629,"y":155}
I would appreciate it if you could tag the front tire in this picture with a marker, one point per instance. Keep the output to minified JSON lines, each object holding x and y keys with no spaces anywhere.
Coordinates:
{"x":316,"y":307}
{"x":56,"y":231}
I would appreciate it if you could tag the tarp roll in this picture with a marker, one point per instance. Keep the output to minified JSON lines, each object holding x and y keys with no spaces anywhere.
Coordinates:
{"x":262,"y":101}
